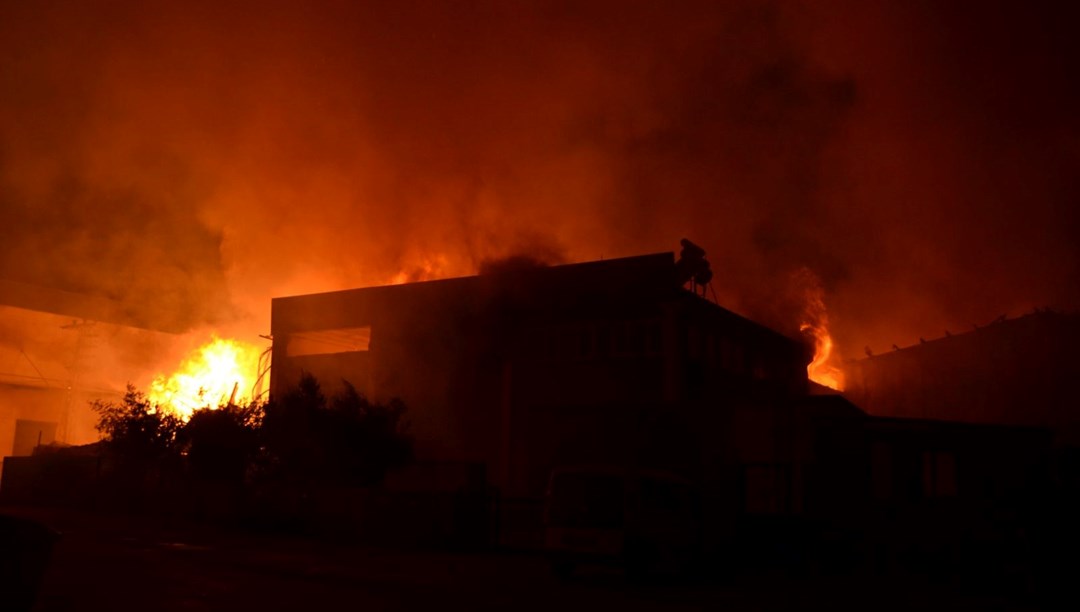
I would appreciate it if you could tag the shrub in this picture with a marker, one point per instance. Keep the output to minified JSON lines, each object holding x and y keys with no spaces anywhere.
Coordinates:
{"x":220,"y":443}
{"x":346,"y":439}
{"x":136,"y":431}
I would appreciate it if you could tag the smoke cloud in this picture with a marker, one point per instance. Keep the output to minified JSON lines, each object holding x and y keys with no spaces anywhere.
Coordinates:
{"x":198,"y":158}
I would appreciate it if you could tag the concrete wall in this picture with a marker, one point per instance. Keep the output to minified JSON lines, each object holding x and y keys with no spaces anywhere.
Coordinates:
{"x":52,"y":367}
{"x":1022,"y":371}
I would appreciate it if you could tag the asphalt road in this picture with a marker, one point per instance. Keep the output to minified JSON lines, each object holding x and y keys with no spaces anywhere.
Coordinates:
{"x":124,"y":563}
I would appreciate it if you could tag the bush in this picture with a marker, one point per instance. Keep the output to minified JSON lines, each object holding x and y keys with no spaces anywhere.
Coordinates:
{"x":135,"y":431}
{"x":303,"y":439}
{"x":346,"y":440}
{"x":220,"y":443}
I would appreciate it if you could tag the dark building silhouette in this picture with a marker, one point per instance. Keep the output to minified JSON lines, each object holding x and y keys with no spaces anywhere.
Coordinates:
{"x":520,"y":369}
{"x":513,"y":372}
{"x":1021,"y":371}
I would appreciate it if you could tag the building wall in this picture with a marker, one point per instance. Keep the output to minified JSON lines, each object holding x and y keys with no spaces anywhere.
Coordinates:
{"x":1021,"y":371}
{"x":520,"y":371}
{"x":52,"y":367}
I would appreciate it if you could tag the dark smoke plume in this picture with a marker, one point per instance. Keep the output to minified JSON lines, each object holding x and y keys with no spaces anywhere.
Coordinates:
{"x":197,"y":158}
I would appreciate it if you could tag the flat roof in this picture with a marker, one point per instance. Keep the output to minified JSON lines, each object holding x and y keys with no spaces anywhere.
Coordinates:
{"x":641,"y":278}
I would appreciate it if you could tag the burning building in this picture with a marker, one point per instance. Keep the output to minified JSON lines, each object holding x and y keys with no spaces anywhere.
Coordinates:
{"x":517,"y":369}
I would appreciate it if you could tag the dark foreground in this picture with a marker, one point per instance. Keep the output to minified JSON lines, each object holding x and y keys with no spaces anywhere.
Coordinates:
{"x":118,"y":563}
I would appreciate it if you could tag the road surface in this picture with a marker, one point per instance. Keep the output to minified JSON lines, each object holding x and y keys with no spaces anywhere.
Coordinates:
{"x":118,"y":564}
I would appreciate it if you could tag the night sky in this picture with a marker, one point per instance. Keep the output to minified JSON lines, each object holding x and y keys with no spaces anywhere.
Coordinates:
{"x":920,"y":158}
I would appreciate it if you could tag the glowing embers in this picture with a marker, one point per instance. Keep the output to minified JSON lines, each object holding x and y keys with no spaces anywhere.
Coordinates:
{"x":219,"y":372}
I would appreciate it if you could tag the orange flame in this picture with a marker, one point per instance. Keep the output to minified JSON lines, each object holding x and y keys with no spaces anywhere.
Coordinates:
{"x":219,"y":372}
{"x":429,"y":268}
{"x":819,"y":370}
{"x":815,"y":324}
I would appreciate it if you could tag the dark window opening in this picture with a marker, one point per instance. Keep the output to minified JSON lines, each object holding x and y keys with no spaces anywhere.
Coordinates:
{"x":328,"y":341}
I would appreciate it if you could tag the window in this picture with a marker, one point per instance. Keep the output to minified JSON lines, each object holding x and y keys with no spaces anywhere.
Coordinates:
{"x":328,"y":342}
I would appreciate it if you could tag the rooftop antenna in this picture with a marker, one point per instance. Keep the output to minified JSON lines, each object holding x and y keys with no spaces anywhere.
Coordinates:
{"x":692,"y":268}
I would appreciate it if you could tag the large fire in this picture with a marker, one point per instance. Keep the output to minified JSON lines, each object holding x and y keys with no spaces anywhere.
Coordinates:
{"x":220,"y":372}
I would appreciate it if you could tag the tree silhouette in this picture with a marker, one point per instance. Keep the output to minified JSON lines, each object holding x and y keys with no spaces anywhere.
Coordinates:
{"x":344,"y":440}
{"x":135,"y":431}
{"x":221,"y":442}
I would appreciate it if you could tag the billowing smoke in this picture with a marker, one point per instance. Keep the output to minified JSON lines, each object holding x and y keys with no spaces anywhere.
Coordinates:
{"x":197,"y":158}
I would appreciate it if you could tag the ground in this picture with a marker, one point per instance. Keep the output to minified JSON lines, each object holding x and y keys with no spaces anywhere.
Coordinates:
{"x":124,"y":563}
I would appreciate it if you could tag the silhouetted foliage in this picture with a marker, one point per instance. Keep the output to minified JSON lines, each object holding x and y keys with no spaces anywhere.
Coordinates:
{"x":301,"y":440}
{"x":136,"y":431}
{"x":221,"y":442}
{"x":366,"y":439}
{"x":344,"y":440}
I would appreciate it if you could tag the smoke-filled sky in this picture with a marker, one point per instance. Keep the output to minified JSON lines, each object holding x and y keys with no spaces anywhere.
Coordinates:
{"x":197,"y":158}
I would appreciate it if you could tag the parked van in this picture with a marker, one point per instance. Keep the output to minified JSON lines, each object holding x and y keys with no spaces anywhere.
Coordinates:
{"x":641,"y":520}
